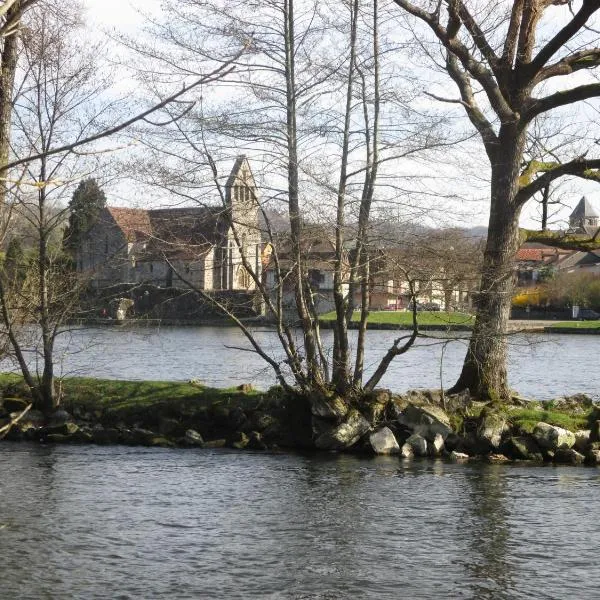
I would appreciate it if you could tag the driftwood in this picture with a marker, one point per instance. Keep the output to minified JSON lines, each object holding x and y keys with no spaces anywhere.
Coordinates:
{"x":4,"y":430}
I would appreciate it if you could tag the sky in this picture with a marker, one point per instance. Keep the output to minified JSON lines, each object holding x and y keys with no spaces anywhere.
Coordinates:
{"x":125,"y":16}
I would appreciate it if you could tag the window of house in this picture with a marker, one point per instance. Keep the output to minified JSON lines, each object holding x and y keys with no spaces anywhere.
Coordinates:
{"x":151,"y":267}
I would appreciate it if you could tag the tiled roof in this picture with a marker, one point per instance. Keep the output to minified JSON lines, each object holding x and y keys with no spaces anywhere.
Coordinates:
{"x":536,"y":254}
{"x":583,"y":209}
{"x":133,"y":222}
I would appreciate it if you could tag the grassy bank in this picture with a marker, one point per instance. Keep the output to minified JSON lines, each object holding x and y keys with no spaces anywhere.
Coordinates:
{"x":575,"y":325}
{"x":404,"y":318}
{"x":124,"y":397}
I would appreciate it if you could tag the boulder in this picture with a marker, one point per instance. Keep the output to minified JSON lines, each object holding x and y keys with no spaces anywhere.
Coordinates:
{"x":102,"y":436}
{"x":245,"y":388}
{"x":426,"y":420}
{"x":418,"y":444}
{"x":332,"y":407}
{"x":595,"y":431}
{"x":497,"y":458}
{"x":458,"y":456}
{"x":255,"y":441}
{"x":160,"y":442}
{"x":215,"y":444}
{"x":63,"y":429}
{"x":522,"y":448}
{"x":11,"y":405}
{"x":384,"y":442}
{"x":345,"y":434}
{"x":582,"y":440}
{"x":193,"y":438}
{"x":237,"y":418}
{"x":491,"y":427}
{"x":577,"y":403}
{"x":568,"y":456}
{"x":57,"y":438}
{"x":406,"y":451}
{"x":551,"y":437}
{"x":60,"y":416}
{"x":239,"y":440}
{"x":260,"y":421}
{"x":592,"y":457}
{"x":436,"y":447}
{"x":169,"y":427}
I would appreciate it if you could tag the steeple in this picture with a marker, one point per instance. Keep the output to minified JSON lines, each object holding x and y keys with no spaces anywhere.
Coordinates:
{"x":584,"y":219}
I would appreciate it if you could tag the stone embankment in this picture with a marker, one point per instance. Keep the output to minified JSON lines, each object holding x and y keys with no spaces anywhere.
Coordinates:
{"x":415,"y":425}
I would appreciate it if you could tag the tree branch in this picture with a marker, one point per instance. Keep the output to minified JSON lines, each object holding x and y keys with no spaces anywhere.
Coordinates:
{"x":579,"y":167}
{"x":577,"y":94}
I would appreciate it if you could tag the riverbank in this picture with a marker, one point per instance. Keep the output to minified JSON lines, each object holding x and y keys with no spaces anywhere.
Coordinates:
{"x":416,"y":424}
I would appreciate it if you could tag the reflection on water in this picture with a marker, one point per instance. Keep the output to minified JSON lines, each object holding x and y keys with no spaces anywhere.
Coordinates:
{"x":541,"y":366}
{"x":145,"y":523}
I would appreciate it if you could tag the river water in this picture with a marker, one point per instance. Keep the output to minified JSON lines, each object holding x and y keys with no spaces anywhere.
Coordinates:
{"x":130,"y":523}
{"x":134,"y":523}
{"x":543,"y":366}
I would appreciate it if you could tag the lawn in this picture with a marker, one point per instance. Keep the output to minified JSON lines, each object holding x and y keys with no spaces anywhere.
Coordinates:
{"x":404,"y":318}
{"x":575,"y":325}
{"x":131,"y":396}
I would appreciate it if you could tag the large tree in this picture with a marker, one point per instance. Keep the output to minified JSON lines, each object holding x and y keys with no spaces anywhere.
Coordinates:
{"x":84,"y":208}
{"x":511,"y":63}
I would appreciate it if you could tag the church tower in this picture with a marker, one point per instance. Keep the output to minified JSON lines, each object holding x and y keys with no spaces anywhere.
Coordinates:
{"x":243,"y":235}
{"x":584,"y":219}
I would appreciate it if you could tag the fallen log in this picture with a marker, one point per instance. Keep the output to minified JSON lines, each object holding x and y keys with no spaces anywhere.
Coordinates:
{"x":6,"y":428}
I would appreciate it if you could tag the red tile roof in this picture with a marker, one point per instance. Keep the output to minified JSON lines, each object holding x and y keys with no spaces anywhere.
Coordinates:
{"x":134,"y":222}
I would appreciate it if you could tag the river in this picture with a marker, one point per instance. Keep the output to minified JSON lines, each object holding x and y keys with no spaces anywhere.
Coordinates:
{"x":133,"y":523}
{"x":542,"y":366}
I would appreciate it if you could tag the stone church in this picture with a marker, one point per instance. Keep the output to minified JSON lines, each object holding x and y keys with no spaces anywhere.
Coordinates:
{"x":173,"y":247}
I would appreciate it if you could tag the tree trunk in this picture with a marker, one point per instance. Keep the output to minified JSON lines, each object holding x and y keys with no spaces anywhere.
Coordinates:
{"x":484,"y":371}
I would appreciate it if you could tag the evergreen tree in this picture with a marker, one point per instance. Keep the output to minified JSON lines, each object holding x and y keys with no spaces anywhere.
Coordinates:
{"x":85,"y":206}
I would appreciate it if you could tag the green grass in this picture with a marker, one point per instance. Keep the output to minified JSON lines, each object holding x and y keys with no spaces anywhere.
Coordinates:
{"x":528,"y":418}
{"x":575,"y":325}
{"x":391,"y":317}
{"x":132,"y":396}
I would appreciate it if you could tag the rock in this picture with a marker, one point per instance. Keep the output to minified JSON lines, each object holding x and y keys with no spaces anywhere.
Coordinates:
{"x":11,"y":405}
{"x":215,"y":444}
{"x":197,"y":382}
{"x":418,"y":444}
{"x":333,"y":407}
{"x":245,"y":387}
{"x":592,"y":457}
{"x":436,"y":448}
{"x":458,"y":456}
{"x":139,"y":437}
{"x":193,"y":438}
{"x":426,"y":420}
{"x":56,"y":438}
{"x":259,"y":421}
{"x":406,"y":451}
{"x":169,"y":427}
{"x":63,"y":429}
{"x":255,"y":441}
{"x":491,"y":427}
{"x":384,"y":442}
{"x":578,"y":403}
{"x":346,"y":434}
{"x":105,"y":436}
{"x":60,"y":416}
{"x":239,"y":440}
{"x":161,"y":442}
{"x":237,"y":418}
{"x":595,"y":431}
{"x":497,"y":458}
{"x":522,"y":448}
{"x":582,"y":440}
{"x":552,"y":437}
{"x":568,"y":456}
{"x":34,"y":418}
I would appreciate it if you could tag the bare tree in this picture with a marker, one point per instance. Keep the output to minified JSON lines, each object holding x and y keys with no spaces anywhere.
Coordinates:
{"x":316,"y":97}
{"x":507,"y":75}
{"x":57,"y":108}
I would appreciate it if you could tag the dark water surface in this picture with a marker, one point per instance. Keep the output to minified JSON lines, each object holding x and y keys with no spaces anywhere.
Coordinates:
{"x":133,"y":523}
{"x":542,"y":366}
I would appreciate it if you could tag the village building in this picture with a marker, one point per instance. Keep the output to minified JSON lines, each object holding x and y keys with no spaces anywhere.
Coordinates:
{"x":179,"y":247}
